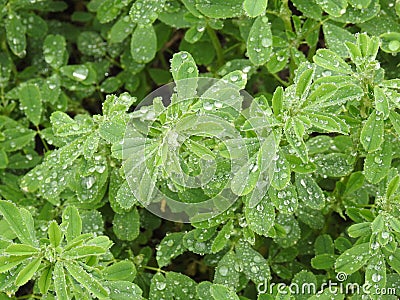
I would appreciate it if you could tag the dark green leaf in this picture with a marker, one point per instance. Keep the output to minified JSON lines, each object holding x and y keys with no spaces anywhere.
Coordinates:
{"x":170,"y":247}
{"x":331,"y":61}
{"x":126,"y":226}
{"x":143,"y":43}
{"x":28,"y":271}
{"x":259,"y":41}
{"x":15,"y":32}
{"x":254,"y":8}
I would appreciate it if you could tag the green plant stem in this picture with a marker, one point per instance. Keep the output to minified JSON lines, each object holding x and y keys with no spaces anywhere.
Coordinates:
{"x":114,"y":62}
{"x":281,"y":81}
{"x":162,"y":60}
{"x":286,"y":15}
{"x":217,"y":46}
{"x":43,"y":141}
{"x":154,"y":269}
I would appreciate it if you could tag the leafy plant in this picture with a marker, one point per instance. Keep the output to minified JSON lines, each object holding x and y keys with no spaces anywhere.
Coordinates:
{"x":199,"y":149}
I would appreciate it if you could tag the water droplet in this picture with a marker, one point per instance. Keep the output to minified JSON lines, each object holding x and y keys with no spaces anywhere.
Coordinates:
{"x":161,"y":285}
{"x":223,"y":270}
{"x":80,"y":73}
{"x":376,"y":277}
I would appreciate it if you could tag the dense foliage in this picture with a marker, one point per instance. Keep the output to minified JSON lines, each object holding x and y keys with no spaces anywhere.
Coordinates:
{"x":316,"y":196}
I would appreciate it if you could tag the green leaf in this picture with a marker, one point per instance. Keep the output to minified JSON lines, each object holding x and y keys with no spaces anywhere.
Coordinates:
{"x":285,"y":200}
{"x":393,"y":260}
{"x":176,"y":281}
{"x":194,"y":34}
{"x":227,"y":271}
{"x":126,"y":226}
{"x":83,"y":251}
{"x":322,"y":93}
{"x":121,"y":30}
{"x":334,"y":164}
{"x":145,"y":11}
{"x":304,"y":278}
{"x":377,"y":164}
{"x":123,"y":290}
{"x":294,"y":131}
{"x":354,"y":52}
{"x":91,"y":43}
{"x":353,"y":259}
{"x":327,"y":123}
{"x":254,"y":265}
{"x":369,"y":46}
{"x":254,"y":8}
{"x":117,"y":105}
{"x":86,"y":280}
{"x":54,"y":51}
{"x":360,"y":229}
{"x":18,"y":223}
{"x":376,"y":276}
{"x":278,"y":61}
{"x":381,"y":102}
{"x":60,"y":284}
{"x":324,"y":245}
{"x":277,"y":101}
{"x":259,"y":41}
{"x":303,"y":82}
{"x":15,"y":33}
{"x":28,"y":271}
{"x":183,"y":67}
{"x":246,"y":178}
{"x":159,"y":288}
{"x":108,"y":10}
{"x":395,"y":120}
{"x":143,"y":44}
{"x":342,"y":244}
{"x":122,"y":270}
{"x":221,"y":292}
{"x":355,"y":182}
{"x":281,"y":175}
{"x":45,"y":279}
{"x":344,"y":94}
{"x":113,"y":130}
{"x":110,"y":85}
{"x":336,"y":37}
{"x":309,"y":8}
{"x":5,"y":69}
{"x":309,"y":191}
{"x":391,"y":83}
{"x":77,"y":73}
{"x":55,"y":234}
{"x":393,"y":187}
{"x":9,"y":262}
{"x":288,"y":230}
{"x":220,"y":8}
{"x":21,"y":250}
{"x":222,"y":238}
{"x":73,"y":222}
{"x":335,"y":8}
{"x":125,"y":197}
{"x":203,"y":290}
{"x":330,"y":60}
{"x":16,"y":138}
{"x":170,"y":247}
{"x":359,"y":4}
{"x":378,"y":224}
{"x":372,"y":135}
{"x":261,"y":218}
